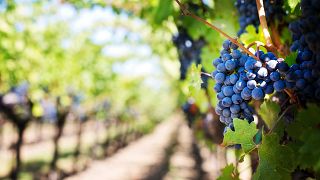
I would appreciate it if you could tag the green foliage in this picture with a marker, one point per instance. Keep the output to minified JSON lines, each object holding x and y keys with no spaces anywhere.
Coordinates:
{"x":229,"y":173}
{"x":243,"y":134}
{"x":195,"y":77}
{"x":293,"y":4}
{"x":252,"y":36}
{"x":291,"y":59}
{"x":275,"y":161}
{"x":212,"y":94}
{"x":163,"y":11}
{"x":194,"y":87}
{"x":305,"y":133}
{"x":269,"y":112}
{"x":207,"y":56}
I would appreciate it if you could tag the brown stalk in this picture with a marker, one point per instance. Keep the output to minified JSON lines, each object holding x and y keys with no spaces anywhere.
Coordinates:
{"x":264,"y":25}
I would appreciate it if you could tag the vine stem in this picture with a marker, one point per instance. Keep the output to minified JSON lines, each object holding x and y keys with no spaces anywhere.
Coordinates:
{"x":279,"y":118}
{"x":275,"y":36}
{"x":186,"y":12}
{"x":206,"y":74}
{"x":264,"y":25}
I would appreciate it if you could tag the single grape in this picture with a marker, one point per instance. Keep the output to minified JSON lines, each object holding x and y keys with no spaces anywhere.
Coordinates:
{"x":262,"y":73}
{"x":217,"y":61}
{"x":235,"y":90}
{"x":268,"y":89}
{"x":271,"y":65}
{"x":235,"y":115}
{"x":217,"y":87}
{"x":283,"y":67}
{"x":251,"y":75}
{"x":228,"y":91}
{"x":226,"y":44}
{"x":236,"y":54}
{"x":298,"y":73}
{"x":235,"y":108}
{"x":279,"y":85}
{"x":240,"y":84}
{"x":221,"y":67}
{"x":257,"y":93}
{"x":219,"y":77}
{"x":275,"y":76}
{"x":233,"y":78}
{"x":251,"y":84}
{"x":226,"y":102}
{"x":226,"y":112}
{"x":220,"y":95}
{"x":236,"y":99}
{"x":301,"y":83}
{"x":226,"y":57}
{"x":230,"y":65}
{"x":250,"y":64}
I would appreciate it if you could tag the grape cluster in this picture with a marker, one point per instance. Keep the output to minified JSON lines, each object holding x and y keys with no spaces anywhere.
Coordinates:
{"x":249,"y":14}
{"x":191,"y":110}
{"x":189,"y":50}
{"x":240,"y":78}
{"x":303,"y":77}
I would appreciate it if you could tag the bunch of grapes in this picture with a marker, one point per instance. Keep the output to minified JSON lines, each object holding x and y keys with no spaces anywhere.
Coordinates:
{"x":191,"y":110}
{"x":249,"y":14}
{"x":189,"y":50}
{"x":240,"y":78}
{"x":303,"y":77}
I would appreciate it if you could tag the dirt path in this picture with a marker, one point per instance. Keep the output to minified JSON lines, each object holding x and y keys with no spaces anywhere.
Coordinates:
{"x":182,"y":164}
{"x":144,"y":159}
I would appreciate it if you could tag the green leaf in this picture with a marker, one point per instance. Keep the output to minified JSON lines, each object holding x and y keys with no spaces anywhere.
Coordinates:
{"x":291,"y":59}
{"x":305,"y":133}
{"x":306,"y":119}
{"x":275,"y":161}
{"x":243,"y":134}
{"x":207,"y":56}
{"x":228,"y":173}
{"x":252,"y":36}
{"x":292,"y":4}
{"x":269,"y":112}
{"x":195,"y":76}
{"x":164,"y":10}
{"x":212,"y":94}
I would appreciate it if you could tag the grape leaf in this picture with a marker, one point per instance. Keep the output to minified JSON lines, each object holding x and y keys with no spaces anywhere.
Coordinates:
{"x":163,"y":11}
{"x":207,"y":55}
{"x":275,"y":161}
{"x":194,"y":77}
{"x":292,"y":4}
{"x":212,"y":94}
{"x":243,"y":134}
{"x":269,"y":112}
{"x":291,"y":59}
{"x":252,"y":36}
{"x":194,"y":85}
{"x":228,"y":173}
{"x":305,"y":132}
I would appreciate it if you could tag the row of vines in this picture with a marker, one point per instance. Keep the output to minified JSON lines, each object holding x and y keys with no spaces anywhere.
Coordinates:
{"x":56,"y":83}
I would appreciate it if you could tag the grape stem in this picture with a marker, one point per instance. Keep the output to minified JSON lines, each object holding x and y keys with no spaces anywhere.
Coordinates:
{"x":258,"y":43}
{"x":275,"y":36}
{"x":206,"y":74}
{"x":264,"y":25}
{"x":186,"y":12}
{"x":280,"y":117}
